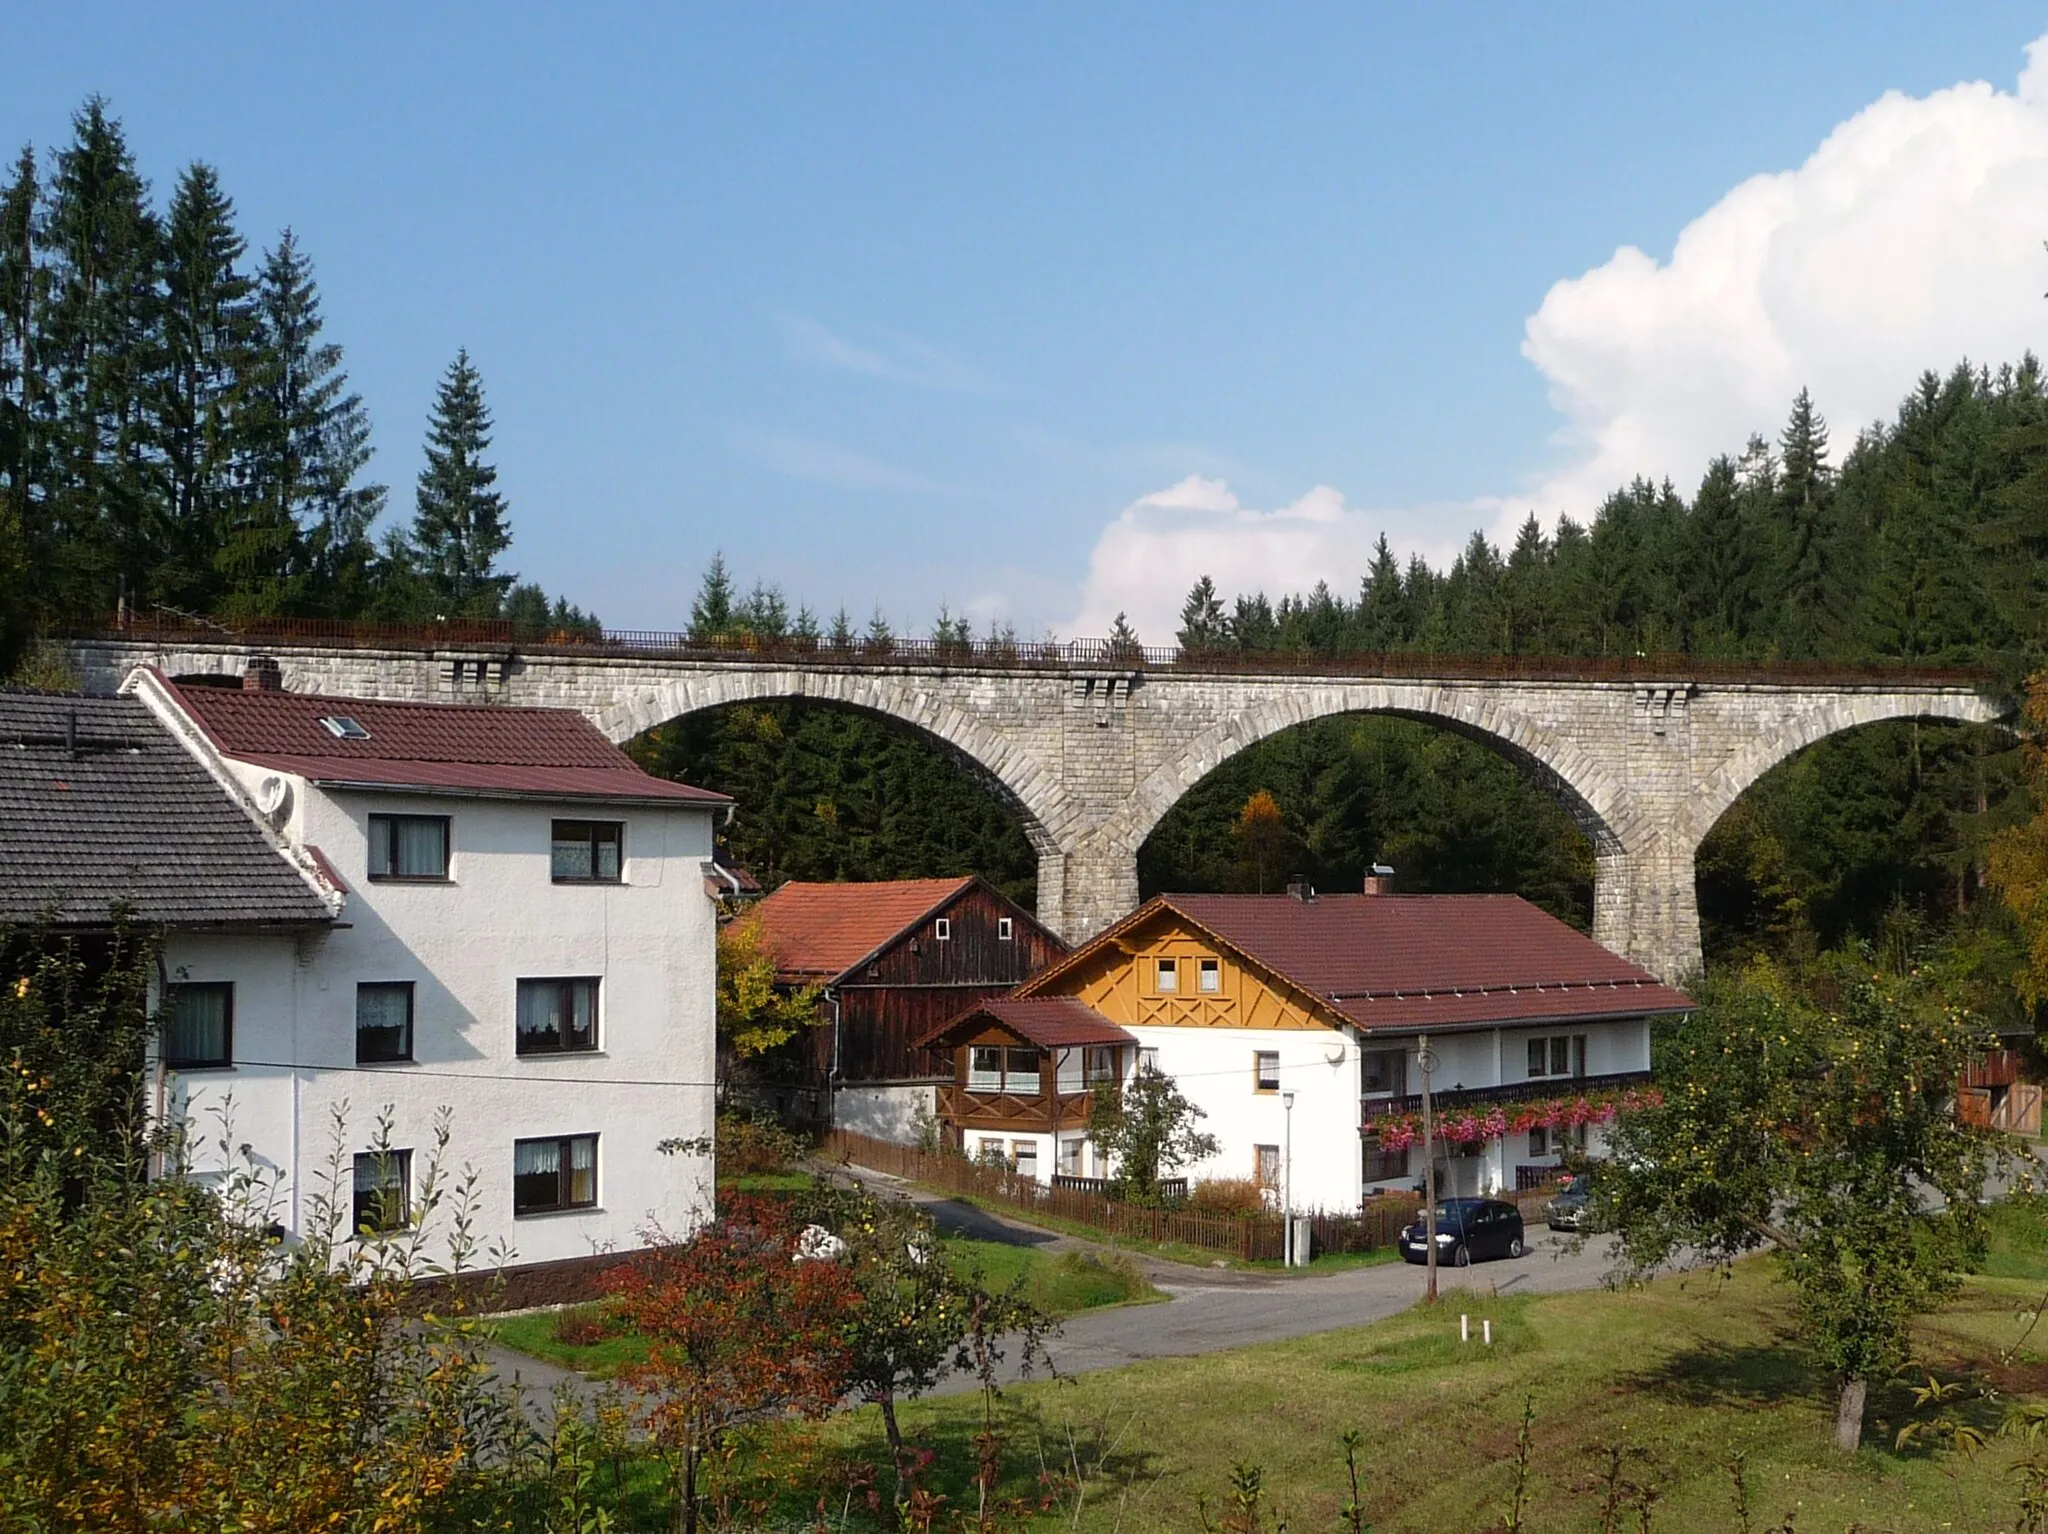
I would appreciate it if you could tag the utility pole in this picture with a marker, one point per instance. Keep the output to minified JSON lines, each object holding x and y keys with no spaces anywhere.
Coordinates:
{"x":1287,"y":1181}
{"x":1425,"y":1061}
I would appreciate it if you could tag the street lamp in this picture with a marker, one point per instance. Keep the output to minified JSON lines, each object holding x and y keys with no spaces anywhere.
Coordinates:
{"x":1425,"y":1061}
{"x":1287,"y":1180}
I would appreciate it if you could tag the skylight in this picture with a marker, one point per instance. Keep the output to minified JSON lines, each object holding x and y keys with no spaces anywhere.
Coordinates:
{"x":341,"y":727}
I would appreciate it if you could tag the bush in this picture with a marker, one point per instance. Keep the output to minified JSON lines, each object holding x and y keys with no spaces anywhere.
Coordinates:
{"x":747,"y":1146}
{"x":582,"y":1326}
{"x":1226,"y":1197}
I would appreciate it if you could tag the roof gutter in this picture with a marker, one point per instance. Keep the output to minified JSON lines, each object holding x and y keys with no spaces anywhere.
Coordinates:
{"x":660,"y":801}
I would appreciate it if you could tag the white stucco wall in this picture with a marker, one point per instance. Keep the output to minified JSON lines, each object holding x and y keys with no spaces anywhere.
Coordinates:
{"x":886,"y":1112}
{"x":1213,"y":1068}
{"x":464,"y":944}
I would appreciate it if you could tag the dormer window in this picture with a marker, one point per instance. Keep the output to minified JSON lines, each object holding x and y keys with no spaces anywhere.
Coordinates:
{"x":341,"y":727}
{"x":942,"y":929}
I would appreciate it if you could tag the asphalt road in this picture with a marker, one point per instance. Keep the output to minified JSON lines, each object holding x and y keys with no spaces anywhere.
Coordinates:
{"x":1208,"y":1310}
{"x":1211,"y":1310}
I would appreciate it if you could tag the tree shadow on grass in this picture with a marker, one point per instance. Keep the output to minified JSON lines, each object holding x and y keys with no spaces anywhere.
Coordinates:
{"x":1725,"y":1374}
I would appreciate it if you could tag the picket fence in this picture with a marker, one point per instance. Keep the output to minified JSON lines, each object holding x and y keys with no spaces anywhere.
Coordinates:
{"x":1249,"y":1238}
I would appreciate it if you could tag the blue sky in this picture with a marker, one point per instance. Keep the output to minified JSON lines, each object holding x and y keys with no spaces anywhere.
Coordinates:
{"x":1030,"y":310}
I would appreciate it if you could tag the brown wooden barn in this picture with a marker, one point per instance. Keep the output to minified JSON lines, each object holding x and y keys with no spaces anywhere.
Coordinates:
{"x":898,"y":959}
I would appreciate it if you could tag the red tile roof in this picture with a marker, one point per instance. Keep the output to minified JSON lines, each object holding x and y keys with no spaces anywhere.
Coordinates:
{"x":1417,"y":961}
{"x":552,"y":753}
{"x":823,"y":930}
{"x":1050,"y":1022}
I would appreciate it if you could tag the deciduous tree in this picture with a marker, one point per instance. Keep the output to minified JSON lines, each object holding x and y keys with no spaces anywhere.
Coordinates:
{"x":1147,"y":1129}
{"x":1822,"y":1130}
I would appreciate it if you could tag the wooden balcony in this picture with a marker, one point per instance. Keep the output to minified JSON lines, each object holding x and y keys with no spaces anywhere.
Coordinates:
{"x":1038,"y":1113}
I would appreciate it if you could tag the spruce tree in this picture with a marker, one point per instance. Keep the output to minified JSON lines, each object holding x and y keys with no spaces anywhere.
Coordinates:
{"x":21,"y":390}
{"x":99,"y":342}
{"x":209,"y":339}
{"x":1203,"y":626}
{"x":711,"y":615}
{"x":459,"y":527}
{"x":1382,"y":620}
{"x":1804,"y":491}
{"x":302,"y":536}
{"x":1123,"y":640}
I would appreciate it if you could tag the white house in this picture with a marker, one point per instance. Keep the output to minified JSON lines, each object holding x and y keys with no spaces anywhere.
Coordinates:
{"x":1295,"y":1022}
{"x":520,"y":941}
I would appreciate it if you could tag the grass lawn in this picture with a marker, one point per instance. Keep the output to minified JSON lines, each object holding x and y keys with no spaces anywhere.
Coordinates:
{"x":1682,"y":1375}
{"x":1058,"y":1284}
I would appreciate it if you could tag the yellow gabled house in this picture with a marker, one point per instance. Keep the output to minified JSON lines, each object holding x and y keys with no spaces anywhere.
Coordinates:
{"x":1293,"y":1021}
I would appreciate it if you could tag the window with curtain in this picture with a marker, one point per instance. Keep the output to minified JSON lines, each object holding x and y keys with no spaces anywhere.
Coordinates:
{"x":1020,"y":1072}
{"x":198,"y":1024}
{"x":985,"y":1068}
{"x":557,"y":1016}
{"x":408,"y":846}
{"x":1103,"y":1064}
{"x":383,"y":1189}
{"x":587,"y":851}
{"x":383,"y":1021}
{"x":559,"y":1172}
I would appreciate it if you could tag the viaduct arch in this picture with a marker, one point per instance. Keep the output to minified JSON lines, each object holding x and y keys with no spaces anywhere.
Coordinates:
{"x":1091,"y":753}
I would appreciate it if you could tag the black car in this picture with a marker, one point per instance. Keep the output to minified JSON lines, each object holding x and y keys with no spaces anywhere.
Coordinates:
{"x":1568,"y":1211}
{"x":1466,"y":1229}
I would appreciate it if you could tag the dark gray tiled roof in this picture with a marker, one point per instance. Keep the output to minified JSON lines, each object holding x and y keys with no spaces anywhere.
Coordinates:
{"x":128,"y":816}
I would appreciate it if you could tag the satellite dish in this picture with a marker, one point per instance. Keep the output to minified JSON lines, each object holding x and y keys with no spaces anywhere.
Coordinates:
{"x":274,"y":797}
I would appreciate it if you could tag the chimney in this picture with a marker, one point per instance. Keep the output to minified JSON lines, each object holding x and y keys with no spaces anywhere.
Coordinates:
{"x":262,"y":675}
{"x":1379,"y":880}
{"x":1299,"y":887}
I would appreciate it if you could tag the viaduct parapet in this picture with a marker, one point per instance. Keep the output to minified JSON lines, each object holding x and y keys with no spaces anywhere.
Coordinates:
{"x":1090,"y":757}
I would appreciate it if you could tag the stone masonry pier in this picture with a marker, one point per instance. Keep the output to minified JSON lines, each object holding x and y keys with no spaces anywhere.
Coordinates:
{"x":1090,"y":756}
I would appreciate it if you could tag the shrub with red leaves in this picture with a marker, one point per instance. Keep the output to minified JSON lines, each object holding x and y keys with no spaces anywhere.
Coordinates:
{"x":741,"y":1329}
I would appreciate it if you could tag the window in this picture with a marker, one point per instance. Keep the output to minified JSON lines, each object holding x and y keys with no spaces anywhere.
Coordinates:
{"x":1102,"y":1063}
{"x":1383,"y":1073}
{"x":199,"y":1025}
{"x":1266,"y":1165}
{"x":1070,"y":1156}
{"x":1555,"y":1142}
{"x":942,"y":930}
{"x":1148,"y":1061}
{"x":994,"y":1068}
{"x":383,"y":1190}
{"x":1168,"y":973}
{"x":1381,"y":1164}
{"x":587,"y":851}
{"x":557,"y":1016}
{"x":1020,"y":1072}
{"x":408,"y":846}
{"x":985,"y":1068}
{"x":556,"y":1173}
{"x":1265,"y":1070}
{"x":1561,"y":1055}
{"x":1024,"y":1157}
{"x":383,"y":1021}
{"x":1006,"y":929}
{"x":1211,"y":977}
{"x":341,"y":727}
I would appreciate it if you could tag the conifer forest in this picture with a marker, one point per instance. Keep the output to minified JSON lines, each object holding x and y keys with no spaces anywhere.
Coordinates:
{"x":178,"y":434}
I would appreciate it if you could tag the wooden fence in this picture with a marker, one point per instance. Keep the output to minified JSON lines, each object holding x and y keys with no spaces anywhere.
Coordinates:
{"x":1249,"y":1238}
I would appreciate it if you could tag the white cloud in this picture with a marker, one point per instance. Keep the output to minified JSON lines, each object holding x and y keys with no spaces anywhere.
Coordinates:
{"x":1909,"y":239}
{"x":1161,"y":544}
{"x":822,"y":463}
{"x":895,"y":359}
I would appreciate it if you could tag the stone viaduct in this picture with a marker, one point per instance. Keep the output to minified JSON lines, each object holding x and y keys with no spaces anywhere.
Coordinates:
{"x":1089,"y":756}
